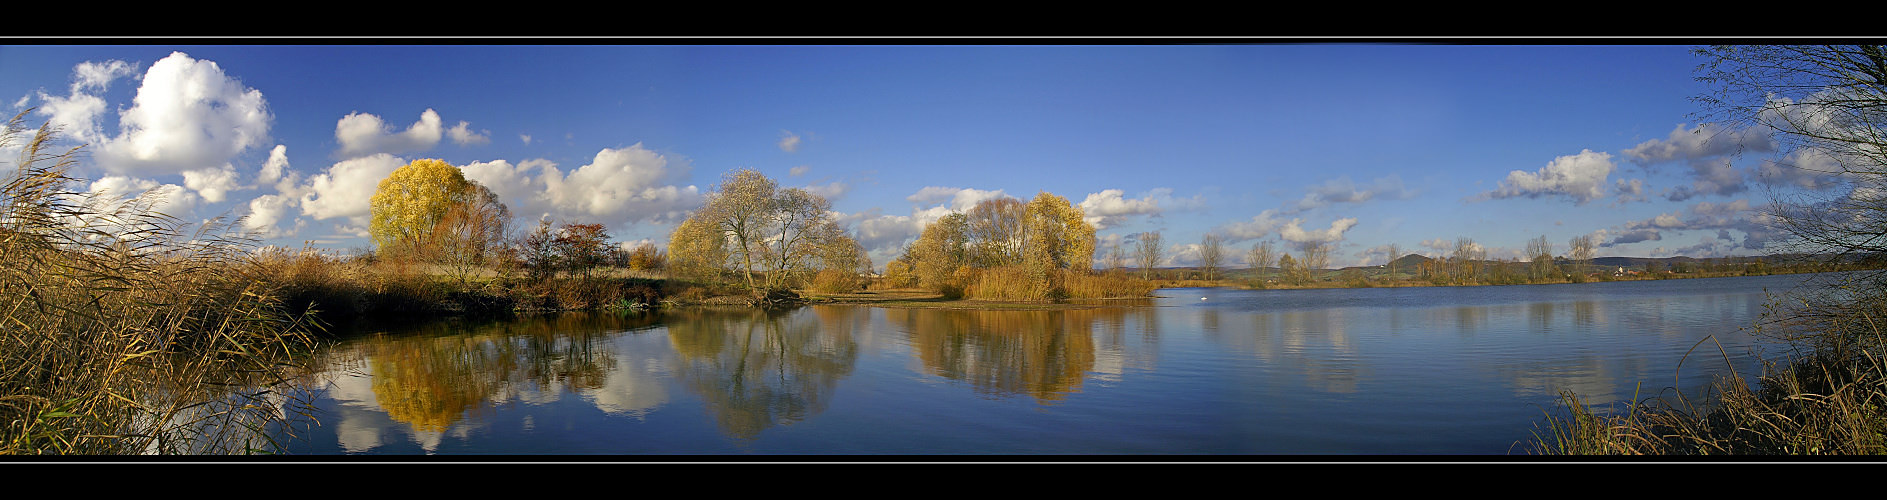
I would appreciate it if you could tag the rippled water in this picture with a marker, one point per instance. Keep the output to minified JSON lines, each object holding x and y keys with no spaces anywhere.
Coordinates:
{"x":1444,"y":370}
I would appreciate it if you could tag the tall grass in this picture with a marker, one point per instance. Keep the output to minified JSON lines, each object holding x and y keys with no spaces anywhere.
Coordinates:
{"x":1107,"y":285}
{"x":1022,"y":283}
{"x":117,"y":318}
{"x":1828,"y":397}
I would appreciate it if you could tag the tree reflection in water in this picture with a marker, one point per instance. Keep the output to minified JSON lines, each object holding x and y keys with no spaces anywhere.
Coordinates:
{"x":431,"y":376}
{"x":1043,"y":354}
{"x":757,"y":369}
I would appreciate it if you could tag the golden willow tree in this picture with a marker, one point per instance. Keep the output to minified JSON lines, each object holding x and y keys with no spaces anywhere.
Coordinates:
{"x":1004,"y":247}
{"x":754,"y":226}
{"x":428,"y":209}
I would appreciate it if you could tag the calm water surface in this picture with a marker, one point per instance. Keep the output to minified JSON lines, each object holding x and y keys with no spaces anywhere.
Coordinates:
{"x":1447,"y":370}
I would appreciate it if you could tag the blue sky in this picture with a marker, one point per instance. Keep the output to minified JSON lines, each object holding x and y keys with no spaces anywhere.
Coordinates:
{"x":1360,"y":144}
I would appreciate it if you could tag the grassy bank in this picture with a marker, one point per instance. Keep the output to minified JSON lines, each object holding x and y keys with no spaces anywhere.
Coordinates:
{"x":1826,"y":396}
{"x":345,"y":288}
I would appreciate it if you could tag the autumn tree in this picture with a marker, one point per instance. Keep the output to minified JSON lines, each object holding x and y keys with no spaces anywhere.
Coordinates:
{"x":898,"y":274}
{"x":939,"y":251}
{"x":778,"y":232}
{"x":473,"y":229}
{"x":1316,"y":258}
{"x":1462,"y":260}
{"x":581,"y":247}
{"x":841,"y":261}
{"x":1058,"y":234}
{"x":740,"y":209}
{"x":995,"y":228}
{"x":1290,"y":270}
{"x":646,"y":257}
{"x":698,"y":249}
{"x":538,"y":250}
{"x":1211,"y":255}
{"x":1149,"y":253}
{"x":1262,"y":253}
{"x":1579,"y":251}
{"x":411,"y":201}
{"x":1541,"y":252}
{"x":797,"y":230}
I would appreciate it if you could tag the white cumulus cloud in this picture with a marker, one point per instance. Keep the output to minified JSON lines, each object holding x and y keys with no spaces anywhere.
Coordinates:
{"x":618,"y":187}
{"x":1259,"y":226}
{"x":362,"y":134}
{"x":463,"y":135}
{"x":1110,"y":208}
{"x":345,"y":188}
{"x":187,"y":115}
{"x":1293,"y":232}
{"x":1580,"y":177}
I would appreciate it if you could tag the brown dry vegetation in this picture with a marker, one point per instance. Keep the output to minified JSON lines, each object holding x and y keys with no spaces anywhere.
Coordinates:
{"x":126,"y":331}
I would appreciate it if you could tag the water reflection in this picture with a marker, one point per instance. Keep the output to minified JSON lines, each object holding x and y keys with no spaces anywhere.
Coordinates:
{"x":433,"y":378}
{"x":1441,"y":370}
{"x":1042,"y":354}
{"x":759,"y":369}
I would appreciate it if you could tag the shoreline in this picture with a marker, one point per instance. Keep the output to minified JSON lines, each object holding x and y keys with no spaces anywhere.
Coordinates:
{"x":655,"y":294}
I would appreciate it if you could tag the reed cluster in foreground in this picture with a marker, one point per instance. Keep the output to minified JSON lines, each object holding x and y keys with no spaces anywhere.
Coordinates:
{"x":126,"y":331}
{"x":1829,"y":398}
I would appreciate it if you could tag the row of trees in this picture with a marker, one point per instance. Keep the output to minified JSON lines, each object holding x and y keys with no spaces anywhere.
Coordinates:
{"x":1011,"y":248}
{"x":427,"y":211}
{"x":773,"y":238}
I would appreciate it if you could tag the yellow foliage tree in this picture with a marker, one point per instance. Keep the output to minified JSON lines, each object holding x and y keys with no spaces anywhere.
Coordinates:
{"x":411,"y":201}
{"x":697,"y":249}
{"x":1060,"y":232}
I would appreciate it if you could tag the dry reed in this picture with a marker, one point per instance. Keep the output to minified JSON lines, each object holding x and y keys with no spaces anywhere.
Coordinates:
{"x":126,"y":332}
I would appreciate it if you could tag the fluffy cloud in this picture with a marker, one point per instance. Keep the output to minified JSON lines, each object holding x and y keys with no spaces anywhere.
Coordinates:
{"x":463,"y":135}
{"x":617,"y":187}
{"x":1293,"y":233}
{"x":1109,"y":208}
{"x":187,"y":115}
{"x":1343,"y":190}
{"x":1805,"y":168}
{"x":168,"y":199}
{"x":77,"y":113}
{"x":789,"y":142}
{"x":960,"y":199}
{"x":1704,"y":141}
{"x":1721,"y":218}
{"x":1580,"y":177}
{"x":1440,"y":246}
{"x":265,"y":214}
{"x":98,"y":76}
{"x":276,"y":170}
{"x":212,"y":183}
{"x":362,"y":134}
{"x":621,"y":185}
{"x":831,"y":191}
{"x":1710,"y":177}
{"x":344,"y":189}
{"x":1632,"y":190}
{"x":798,"y":171}
{"x":1259,"y":226}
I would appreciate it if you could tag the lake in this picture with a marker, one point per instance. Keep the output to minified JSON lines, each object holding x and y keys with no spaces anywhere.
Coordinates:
{"x":1197,"y":371}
